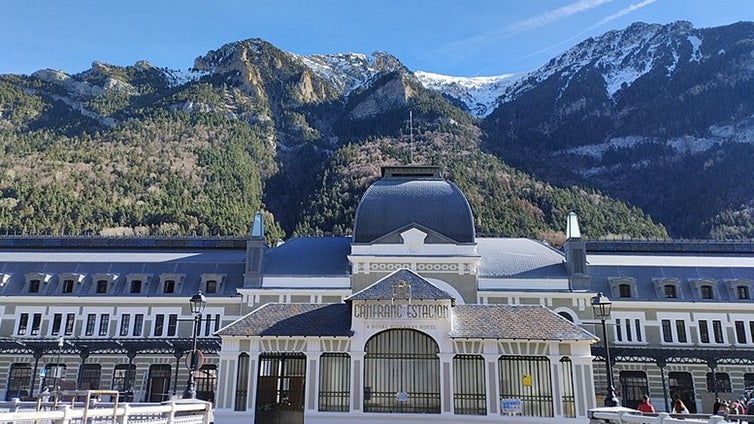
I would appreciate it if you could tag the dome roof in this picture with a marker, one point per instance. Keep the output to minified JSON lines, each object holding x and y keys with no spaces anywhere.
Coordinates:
{"x":413,"y":196}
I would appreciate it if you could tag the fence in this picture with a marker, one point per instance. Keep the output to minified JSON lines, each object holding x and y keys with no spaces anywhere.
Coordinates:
{"x":619,"y":415}
{"x":188,"y":411}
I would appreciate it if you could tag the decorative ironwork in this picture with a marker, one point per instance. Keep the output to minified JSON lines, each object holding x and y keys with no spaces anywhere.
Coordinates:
{"x":401,"y":290}
{"x":334,"y":382}
{"x":527,"y":378}
{"x":402,"y":373}
{"x":469,"y":385}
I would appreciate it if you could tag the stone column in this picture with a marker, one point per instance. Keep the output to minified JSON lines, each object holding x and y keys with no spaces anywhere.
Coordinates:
{"x":357,"y":381}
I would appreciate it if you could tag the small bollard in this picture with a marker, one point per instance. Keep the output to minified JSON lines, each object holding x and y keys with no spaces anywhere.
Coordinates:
{"x":16,"y":404}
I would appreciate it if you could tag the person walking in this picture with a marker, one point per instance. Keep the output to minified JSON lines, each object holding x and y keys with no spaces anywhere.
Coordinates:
{"x":679,"y":407}
{"x":645,"y":406}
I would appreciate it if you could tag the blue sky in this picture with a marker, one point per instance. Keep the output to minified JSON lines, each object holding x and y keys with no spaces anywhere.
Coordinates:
{"x":463,"y":38}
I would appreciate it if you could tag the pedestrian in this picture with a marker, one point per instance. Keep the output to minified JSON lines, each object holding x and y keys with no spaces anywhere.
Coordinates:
{"x":679,"y":407}
{"x":46,"y":394}
{"x":645,"y":406}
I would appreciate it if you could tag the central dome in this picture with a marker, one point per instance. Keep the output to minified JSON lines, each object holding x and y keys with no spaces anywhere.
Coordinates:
{"x":413,"y":196}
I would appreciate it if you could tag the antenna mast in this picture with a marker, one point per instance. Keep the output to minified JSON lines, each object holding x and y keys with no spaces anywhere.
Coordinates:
{"x":411,"y":136}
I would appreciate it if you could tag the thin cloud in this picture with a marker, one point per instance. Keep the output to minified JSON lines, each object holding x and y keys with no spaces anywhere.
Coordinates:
{"x":555,"y":15}
{"x":601,"y":22}
{"x":618,"y":14}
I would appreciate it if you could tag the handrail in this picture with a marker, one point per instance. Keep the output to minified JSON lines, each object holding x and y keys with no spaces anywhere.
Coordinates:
{"x":118,"y":413}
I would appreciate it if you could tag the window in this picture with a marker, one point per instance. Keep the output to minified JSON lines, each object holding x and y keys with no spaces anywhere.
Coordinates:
{"x":23,"y":321}
{"x":70,"y":320}
{"x":159,"y":323}
{"x":101,"y":286}
{"x":624,"y":290}
{"x":469,"y":385}
{"x":334,"y":382}
{"x":217,"y":322}
{"x":125,"y":323}
{"x":68,"y":286}
{"x":748,"y":380}
{"x":89,"y":376}
{"x":138,"y":324}
{"x":169,"y":286}
{"x":404,"y":361}
{"x":207,"y":325}
{"x":104,"y":323}
{"x":703,"y":332}
{"x":717,"y":329}
{"x":206,"y":382}
{"x":628,"y":330}
{"x":34,"y":286}
{"x":54,"y":372}
{"x":670,"y":292}
{"x":19,"y":381}
{"x":211,"y":286}
{"x":740,"y":332}
{"x":705,"y":292}
{"x":172,"y":324}
{"x":57,"y":321}
{"x":91,"y":319}
{"x":723,"y":382}
{"x":135,"y":286}
{"x":633,"y":385}
{"x":742,"y":292}
{"x":680,"y":326}
{"x":36,"y":323}
{"x":123,"y":377}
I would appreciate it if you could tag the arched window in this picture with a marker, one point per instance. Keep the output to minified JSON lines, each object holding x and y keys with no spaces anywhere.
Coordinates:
{"x":242,"y":382}
{"x":19,"y":381}
{"x":402,"y":373}
{"x":89,"y":376}
{"x":633,"y":385}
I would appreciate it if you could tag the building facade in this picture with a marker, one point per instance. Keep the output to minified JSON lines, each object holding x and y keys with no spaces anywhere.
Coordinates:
{"x":412,"y":316}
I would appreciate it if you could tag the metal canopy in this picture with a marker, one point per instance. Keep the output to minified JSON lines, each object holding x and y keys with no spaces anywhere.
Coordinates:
{"x":79,"y":346}
{"x":662,"y":356}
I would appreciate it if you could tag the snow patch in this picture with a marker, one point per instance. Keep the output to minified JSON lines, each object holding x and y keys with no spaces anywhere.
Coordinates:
{"x":696,"y":54}
{"x":479,"y":94}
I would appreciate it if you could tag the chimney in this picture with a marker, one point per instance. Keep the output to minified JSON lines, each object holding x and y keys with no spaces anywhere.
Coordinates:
{"x":575,"y":253}
{"x":254,"y":253}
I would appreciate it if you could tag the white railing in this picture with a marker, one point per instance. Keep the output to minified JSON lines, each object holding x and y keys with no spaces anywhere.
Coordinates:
{"x":178,"y":412}
{"x":619,"y":415}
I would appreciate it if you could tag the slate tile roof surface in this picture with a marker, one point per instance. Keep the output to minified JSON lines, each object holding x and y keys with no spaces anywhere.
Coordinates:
{"x":315,"y":256}
{"x":433,"y":203}
{"x":293,"y":319}
{"x":383,"y":289}
{"x":517,"y":322}
{"x":519,"y":258}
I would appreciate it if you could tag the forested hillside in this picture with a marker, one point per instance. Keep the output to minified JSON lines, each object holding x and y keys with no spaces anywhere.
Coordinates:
{"x":124,"y":151}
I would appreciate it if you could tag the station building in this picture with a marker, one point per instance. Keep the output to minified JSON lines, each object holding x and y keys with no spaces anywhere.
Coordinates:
{"x":413,"y":317}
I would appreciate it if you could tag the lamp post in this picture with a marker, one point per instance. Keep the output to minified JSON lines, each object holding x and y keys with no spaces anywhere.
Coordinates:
{"x":57,"y":368}
{"x":197,"y":302}
{"x":601,"y":307}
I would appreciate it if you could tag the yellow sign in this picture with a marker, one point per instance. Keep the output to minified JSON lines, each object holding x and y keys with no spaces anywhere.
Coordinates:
{"x":526,"y":380}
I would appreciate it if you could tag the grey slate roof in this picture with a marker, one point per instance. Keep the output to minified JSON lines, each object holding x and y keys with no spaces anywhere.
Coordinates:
{"x":293,"y":319}
{"x":513,"y":322}
{"x":190,"y":257}
{"x":394,"y":203}
{"x":519,"y":258}
{"x":421,"y":289}
{"x":314,"y":256}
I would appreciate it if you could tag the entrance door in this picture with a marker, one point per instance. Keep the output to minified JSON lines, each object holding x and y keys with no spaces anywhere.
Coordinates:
{"x":281,"y":384}
{"x":158,"y":385}
{"x":633,"y":385}
{"x":682,"y":387}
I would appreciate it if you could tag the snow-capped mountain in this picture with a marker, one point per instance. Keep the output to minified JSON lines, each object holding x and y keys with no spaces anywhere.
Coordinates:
{"x":479,"y":94}
{"x":651,"y":114}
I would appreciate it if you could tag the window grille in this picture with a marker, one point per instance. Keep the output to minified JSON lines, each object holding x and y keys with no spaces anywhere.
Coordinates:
{"x":402,"y":373}
{"x":527,"y":378}
{"x":569,"y":400}
{"x":723,"y":382}
{"x":469,"y":385}
{"x":89,"y":376}
{"x":19,"y":381}
{"x":242,"y":382}
{"x":334,"y":382}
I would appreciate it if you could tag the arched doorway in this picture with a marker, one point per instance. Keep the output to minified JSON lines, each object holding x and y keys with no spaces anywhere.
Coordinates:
{"x":158,"y":384}
{"x":402,"y":373}
{"x":682,"y":387}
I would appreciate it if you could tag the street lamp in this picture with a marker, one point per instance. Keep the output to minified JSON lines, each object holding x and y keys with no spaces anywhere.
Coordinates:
{"x":57,"y":368}
{"x":197,"y":302}
{"x":601,"y":307}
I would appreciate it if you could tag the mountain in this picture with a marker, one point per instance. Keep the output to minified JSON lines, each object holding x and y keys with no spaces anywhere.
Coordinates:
{"x":147,"y":150}
{"x":660,"y":116}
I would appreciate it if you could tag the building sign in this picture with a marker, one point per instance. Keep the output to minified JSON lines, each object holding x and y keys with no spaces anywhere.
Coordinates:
{"x":510,"y":406}
{"x":400,"y":311}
